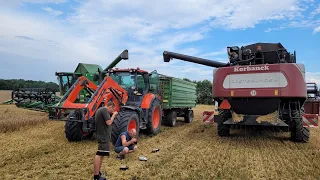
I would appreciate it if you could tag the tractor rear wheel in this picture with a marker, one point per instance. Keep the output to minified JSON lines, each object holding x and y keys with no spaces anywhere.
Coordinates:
{"x":73,"y":129}
{"x":223,"y":130}
{"x":298,"y":132}
{"x":125,"y":120}
{"x":154,"y":118}
{"x":188,"y":117}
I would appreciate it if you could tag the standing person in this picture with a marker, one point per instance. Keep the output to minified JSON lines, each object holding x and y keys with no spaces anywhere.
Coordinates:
{"x":126,"y":143}
{"x":103,"y":131}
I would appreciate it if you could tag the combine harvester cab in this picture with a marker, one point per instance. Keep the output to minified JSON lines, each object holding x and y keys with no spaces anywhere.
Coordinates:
{"x":142,"y":100}
{"x":261,"y":86}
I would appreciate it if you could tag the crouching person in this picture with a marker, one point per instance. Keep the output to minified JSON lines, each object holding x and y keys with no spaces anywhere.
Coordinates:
{"x":125,"y":143}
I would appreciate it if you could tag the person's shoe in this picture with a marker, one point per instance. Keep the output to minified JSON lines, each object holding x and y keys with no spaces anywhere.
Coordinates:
{"x":120,"y":156}
{"x":102,"y":178}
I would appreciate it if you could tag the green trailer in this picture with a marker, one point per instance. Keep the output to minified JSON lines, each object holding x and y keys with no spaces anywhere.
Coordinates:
{"x":178,"y":99}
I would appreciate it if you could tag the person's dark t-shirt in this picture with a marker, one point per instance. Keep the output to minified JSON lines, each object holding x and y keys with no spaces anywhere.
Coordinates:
{"x":119,"y":141}
{"x":102,"y":129}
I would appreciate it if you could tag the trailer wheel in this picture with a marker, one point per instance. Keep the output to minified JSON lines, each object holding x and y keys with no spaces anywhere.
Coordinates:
{"x":154,"y":118}
{"x":188,"y":118}
{"x":223,"y":130}
{"x":298,"y":132}
{"x":171,"y":118}
{"x":125,"y":120}
{"x":73,"y":129}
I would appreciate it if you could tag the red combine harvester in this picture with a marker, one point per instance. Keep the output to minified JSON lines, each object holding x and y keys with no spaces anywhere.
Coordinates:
{"x":260,"y":86}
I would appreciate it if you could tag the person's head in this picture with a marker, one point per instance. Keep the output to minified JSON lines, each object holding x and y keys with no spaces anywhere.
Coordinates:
{"x":110,"y":106}
{"x":132,"y":132}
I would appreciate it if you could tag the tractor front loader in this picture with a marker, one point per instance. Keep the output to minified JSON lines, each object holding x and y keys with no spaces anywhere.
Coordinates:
{"x":137,"y":102}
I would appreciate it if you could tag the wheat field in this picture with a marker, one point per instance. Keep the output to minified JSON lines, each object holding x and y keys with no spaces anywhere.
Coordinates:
{"x":188,"y":151}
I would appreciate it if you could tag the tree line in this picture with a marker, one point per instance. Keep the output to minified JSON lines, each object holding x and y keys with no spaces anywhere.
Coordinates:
{"x":12,"y":84}
{"x":204,"y":91}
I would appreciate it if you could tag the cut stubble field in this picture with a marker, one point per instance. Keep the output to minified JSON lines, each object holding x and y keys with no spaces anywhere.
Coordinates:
{"x":4,"y":95}
{"x":41,"y":151}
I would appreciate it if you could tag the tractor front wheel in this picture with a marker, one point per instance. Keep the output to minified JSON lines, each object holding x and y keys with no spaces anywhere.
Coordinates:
{"x":73,"y":129}
{"x":124,"y":121}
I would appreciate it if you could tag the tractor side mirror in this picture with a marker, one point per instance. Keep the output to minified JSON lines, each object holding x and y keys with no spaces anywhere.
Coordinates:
{"x":96,"y":76}
{"x":146,"y":78}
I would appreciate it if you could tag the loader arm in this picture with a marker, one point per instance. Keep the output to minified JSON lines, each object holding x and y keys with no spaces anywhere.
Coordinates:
{"x":108,"y":90}
{"x":70,"y":97}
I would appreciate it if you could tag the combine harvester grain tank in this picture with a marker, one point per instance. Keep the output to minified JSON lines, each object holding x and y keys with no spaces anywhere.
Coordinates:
{"x":144,"y":101}
{"x":261,"y":86}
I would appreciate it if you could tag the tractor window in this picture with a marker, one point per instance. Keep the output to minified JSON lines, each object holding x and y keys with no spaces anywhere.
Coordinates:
{"x":64,"y":83}
{"x":125,"y":80}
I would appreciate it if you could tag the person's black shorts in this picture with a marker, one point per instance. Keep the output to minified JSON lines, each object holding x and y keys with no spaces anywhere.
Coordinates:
{"x":103,"y":146}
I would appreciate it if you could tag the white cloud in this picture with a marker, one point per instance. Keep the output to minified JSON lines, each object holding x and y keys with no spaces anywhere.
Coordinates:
{"x":15,"y":3}
{"x":315,"y":11}
{"x":316,"y":30}
{"x":313,"y":77}
{"x":97,"y":31}
{"x":215,"y":53}
{"x":52,"y":11}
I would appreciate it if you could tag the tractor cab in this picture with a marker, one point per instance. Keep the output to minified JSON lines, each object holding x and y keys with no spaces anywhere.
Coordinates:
{"x":66,"y":80}
{"x":136,"y":82}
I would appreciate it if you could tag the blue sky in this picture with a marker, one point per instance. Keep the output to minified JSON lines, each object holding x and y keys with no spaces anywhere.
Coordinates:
{"x":40,"y":37}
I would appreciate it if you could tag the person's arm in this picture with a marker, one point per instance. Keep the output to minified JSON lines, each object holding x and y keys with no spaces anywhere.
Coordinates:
{"x":110,"y":121}
{"x":125,"y":142}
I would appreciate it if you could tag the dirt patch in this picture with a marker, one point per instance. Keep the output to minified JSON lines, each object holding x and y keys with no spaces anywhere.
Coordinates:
{"x":4,"y":95}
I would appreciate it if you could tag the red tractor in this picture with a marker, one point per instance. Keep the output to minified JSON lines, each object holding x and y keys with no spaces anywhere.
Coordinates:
{"x":134,"y":91}
{"x":261,"y":86}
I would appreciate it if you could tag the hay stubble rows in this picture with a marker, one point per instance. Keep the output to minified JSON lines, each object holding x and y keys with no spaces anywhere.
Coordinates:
{"x":186,"y":152}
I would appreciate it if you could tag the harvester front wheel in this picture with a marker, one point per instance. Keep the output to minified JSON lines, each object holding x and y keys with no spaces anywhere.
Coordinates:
{"x":298,"y":132}
{"x":125,"y":120}
{"x":223,"y":130}
{"x":73,"y":129}
{"x":154,"y":118}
